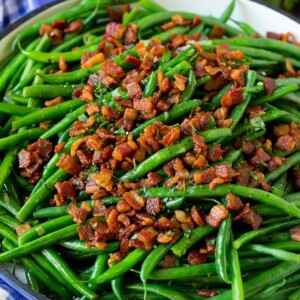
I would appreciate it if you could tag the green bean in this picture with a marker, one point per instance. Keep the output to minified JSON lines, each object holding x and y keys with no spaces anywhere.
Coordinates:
{"x":222,"y":247}
{"x":265,"y":43}
{"x":7,"y":127}
{"x":208,"y":269}
{"x":278,"y":253}
{"x":249,"y":236}
{"x":16,"y":139}
{"x":186,"y":242}
{"x":265,"y":279}
{"x":9,"y":204}
{"x":225,"y":16}
{"x":295,"y":295}
{"x":150,"y":6}
{"x":278,"y":93}
{"x":202,"y":191}
{"x":116,"y":286}
{"x":182,"y":68}
{"x":41,"y":195}
{"x":247,"y":28}
{"x":151,"y":85}
{"x":229,"y":158}
{"x":44,"y":228}
{"x":31,"y":280}
{"x":47,"y":113}
{"x":202,"y":80}
{"x":169,"y":116}
{"x":237,"y":287}
{"x":9,"y":221}
{"x":175,"y":203}
{"x":216,"y":100}
{"x":287,"y":244}
{"x":16,"y":110}
{"x":65,"y":271}
{"x":39,"y":243}
{"x":287,"y":164}
{"x":122,"y":267}
{"x":189,"y":89}
{"x":80,"y":246}
{"x":152,"y":260}
{"x":170,"y":152}
{"x":159,"y":289}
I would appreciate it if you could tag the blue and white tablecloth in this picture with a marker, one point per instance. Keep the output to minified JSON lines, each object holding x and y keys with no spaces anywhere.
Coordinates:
{"x":12,"y":10}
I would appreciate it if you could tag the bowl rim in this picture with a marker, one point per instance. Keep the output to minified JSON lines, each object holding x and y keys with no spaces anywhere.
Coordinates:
{"x":44,"y":7}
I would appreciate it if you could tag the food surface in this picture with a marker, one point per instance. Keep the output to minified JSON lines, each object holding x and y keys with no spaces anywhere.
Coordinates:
{"x":151,"y":154}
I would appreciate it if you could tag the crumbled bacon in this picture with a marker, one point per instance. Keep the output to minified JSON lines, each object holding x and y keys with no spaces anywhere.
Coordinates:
{"x":217,"y":214}
{"x":115,"y":30}
{"x":20,"y":229}
{"x":65,"y":189}
{"x":169,"y":262}
{"x":196,"y":258}
{"x":295,"y":234}
{"x":270,"y":85}
{"x":152,"y":180}
{"x":131,"y":34}
{"x":147,"y":235}
{"x":232,"y":98}
{"x":85,"y":233}
{"x":69,"y":164}
{"x":286,"y":143}
{"x":234,"y":202}
{"x":134,"y":200}
{"x":53,"y":102}
{"x":206,"y":293}
{"x":74,"y":26}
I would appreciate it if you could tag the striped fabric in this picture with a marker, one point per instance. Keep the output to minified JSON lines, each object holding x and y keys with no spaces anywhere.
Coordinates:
{"x":12,"y":10}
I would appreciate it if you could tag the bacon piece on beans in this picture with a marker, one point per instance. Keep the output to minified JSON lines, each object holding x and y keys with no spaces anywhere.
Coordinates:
{"x":153,"y":206}
{"x":79,"y":213}
{"x":87,"y":93}
{"x":131,"y":34}
{"x":133,"y":60}
{"x":59,"y":147}
{"x":171,"y":137}
{"x":234,"y":202}
{"x":199,"y":143}
{"x":164,"y":224}
{"x":85,"y":233}
{"x":85,"y":157}
{"x":238,"y":78}
{"x":204,"y":177}
{"x":63,"y":67}
{"x":25,"y":158}
{"x":225,"y":171}
{"x":115,"y":30}
{"x":124,"y":150}
{"x":112,"y":221}
{"x":180,"y":82}
{"x":80,"y":127}
{"x":104,"y":179}
{"x":196,"y":258}
{"x":110,"y":114}
{"x":20,"y":229}
{"x":59,"y":24}
{"x":134,"y":90}
{"x":273,"y":35}
{"x":43,"y":148}
{"x":66,"y":189}
{"x":261,"y":156}
{"x":92,"y":109}
{"x":86,"y":56}
{"x":134,"y":200}
{"x":253,"y":219}
{"x":164,"y":238}
{"x":217,"y":214}
{"x":167,"y":26}
{"x":152,"y":180}
{"x":206,"y":293}
{"x":74,"y":26}
{"x":169,"y":262}
{"x":270,"y":85}
{"x":130,"y":115}
{"x":116,"y":14}
{"x":69,"y":164}
{"x":122,"y":206}
{"x":145,"y":107}
{"x":94,"y":60}
{"x":280,"y":130}
{"x":196,"y":216}
{"x":295,"y":234}
{"x":53,"y":102}
{"x":216,"y":32}
{"x":163,"y":82}
{"x":215,"y":153}
{"x":232,"y":97}
{"x":235,"y":55}
{"x":286,"y":143}
{"x":147,"y":235}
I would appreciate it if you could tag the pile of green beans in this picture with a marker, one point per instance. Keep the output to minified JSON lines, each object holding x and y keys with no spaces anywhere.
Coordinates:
{"x":246,"y":264}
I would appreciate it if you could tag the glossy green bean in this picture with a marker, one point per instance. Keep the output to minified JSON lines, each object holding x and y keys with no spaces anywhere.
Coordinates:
{"x":80,"y":246}
{"x":189,"y":89}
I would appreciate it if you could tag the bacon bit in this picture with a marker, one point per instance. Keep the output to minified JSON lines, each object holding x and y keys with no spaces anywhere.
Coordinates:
{"x":122,"y":206}
{"x":286,"y":143}
{"x":134,"y":90}
{"x":59,"y":24}
{"x":196,"y":258}
{"x":171,"y":137}
{"x":274,"y":163}
{"x":53,"y":102}
{"x":225,"y":171}
{"x":145,"y":107}
{"x":216,"y":32}
{"x":59,"y":147}
{"x":104,"y":179}
{"x":110,"y":114}
{"x":216,"y":181}
{"x":65,"y":189}
{"x":234,"y":202}
{"x":80,"y":127}
{"x":94,"y":60}
{"x":252,"y":218}
{"x":273,"y":35}
{"x":238,"y":78}
{"x":45,"y":125}
{"x":178,"y":20}
{"x":112,"y":221}
{"x":20,"y":229}
{"x":232,"y":97}
{"x":164,"y":238}
{"x":147,"y":235}
{"x":215,"y":153}
{"x":199,"y":143}
{"x":68,"y":164}
{"x":204,"y":177}
{"x":134,"y":200}
{"x":280,"y":130}
{"x":167,"y":26}
{"x":54,"y":34}
{"x":74,"y":26}
{"x":180,"y":82}
{"x":43,"y":148}
{"x":63,"y":67}
{"x":79,"y":214}
{"x":153,"y":179}
{"x":270,"y":85}
{"x":200,"y":162}
{"x":153,"y":206}
{"x":290,"y":68}
{"x":217,"y":214}
{"x":295,"y":234}
{"x":92,"y":109}
{"x":87,"y":93}
{"x":133,"y":60}
{"x":261,"y":156}
{"x":131,"y":34}
{"x":85,"y":233}
{"x":124,"y":150}
{"x":196,"y":21}
{"x":168,"y":262}
{"x":163,"y":83}
{"x":116,"y":14}
{"x":212,"y":71}
{"x":25,"y":158}
{"x":164,"y":224}
{"x":207,"y":293}
{"x":115,"y":30}
{"x":130,"y":115}
{"x":196,"y":216}
{"x":235,"y":55}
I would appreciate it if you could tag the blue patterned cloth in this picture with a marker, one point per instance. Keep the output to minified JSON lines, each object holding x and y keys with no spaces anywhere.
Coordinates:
{"x":12,"y":10}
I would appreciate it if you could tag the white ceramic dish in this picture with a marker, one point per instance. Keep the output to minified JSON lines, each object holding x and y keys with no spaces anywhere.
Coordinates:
{"x":260,"y":17}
